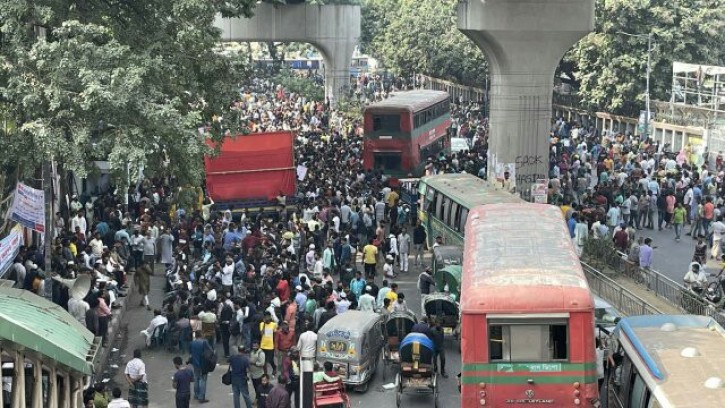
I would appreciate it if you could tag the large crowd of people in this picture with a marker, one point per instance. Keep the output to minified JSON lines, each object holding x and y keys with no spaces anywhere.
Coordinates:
{"x":256,"y":287}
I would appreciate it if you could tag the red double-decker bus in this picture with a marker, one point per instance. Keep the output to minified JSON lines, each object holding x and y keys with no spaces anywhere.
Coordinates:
{"x":527,"y":316}
{"x":404,"y":130}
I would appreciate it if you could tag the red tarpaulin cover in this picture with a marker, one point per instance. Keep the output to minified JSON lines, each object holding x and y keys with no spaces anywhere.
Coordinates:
{"x":255,"y":166}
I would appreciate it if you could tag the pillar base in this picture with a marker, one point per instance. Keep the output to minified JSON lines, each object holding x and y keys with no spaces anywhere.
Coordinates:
{"x":523,"y":40}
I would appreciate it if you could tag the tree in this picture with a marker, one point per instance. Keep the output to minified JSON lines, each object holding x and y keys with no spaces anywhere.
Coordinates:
{"x":420,"y":36}
{"x":611,"y":67}
{"x":129,"y":82}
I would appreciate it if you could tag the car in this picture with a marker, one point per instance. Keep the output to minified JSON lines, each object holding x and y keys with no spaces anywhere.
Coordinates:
{"x":606,"y":317}
{"x":459,"y":144}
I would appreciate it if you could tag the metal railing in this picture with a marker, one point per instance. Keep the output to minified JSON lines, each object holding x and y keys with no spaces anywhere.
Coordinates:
{"x":602,"y":254}
{"x":621,"y":298}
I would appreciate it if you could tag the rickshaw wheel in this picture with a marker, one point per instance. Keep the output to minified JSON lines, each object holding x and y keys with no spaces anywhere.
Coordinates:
{"x":398,"y":396}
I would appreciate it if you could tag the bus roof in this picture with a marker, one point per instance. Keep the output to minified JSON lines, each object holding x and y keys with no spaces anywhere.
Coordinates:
{"x":662,"y":341}
{"x":526,"y":250}
{"x":410,"y":100}
{"x":469,"y":190}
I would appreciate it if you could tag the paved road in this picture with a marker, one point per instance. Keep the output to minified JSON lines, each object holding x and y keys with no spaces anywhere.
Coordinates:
{"x":160,"y":369}
{"x":672,"y":258}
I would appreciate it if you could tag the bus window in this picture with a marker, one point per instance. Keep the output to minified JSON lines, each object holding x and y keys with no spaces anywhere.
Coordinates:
{"x":439,"y":206}
{"x":455,"y":221}
{"x":386,"y":122}
{"x":528,"y":341}
{"x":446,"y":210}
{"x":387,"y":161}
{"x":638,"y":394}
{"x":464,"y":217}
{"x":429,"y":200}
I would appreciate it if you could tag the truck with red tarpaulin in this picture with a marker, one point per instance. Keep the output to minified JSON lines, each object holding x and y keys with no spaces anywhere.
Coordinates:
{"x":251,"y":170}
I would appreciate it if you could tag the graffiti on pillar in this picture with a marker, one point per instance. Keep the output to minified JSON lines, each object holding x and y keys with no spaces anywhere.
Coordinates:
{"x":528,"y":161}
{"x":529,"y":178}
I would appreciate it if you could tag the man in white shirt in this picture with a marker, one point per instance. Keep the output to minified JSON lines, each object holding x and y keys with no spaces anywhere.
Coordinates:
{"x":118,"y":401}
{"x":404,"y":249}
{"x":78,"y":308}
{"x":79,"y":221}
{"x":96,"y":245}
{"x":228,"y":275}
{"x":136,"y":377}
{"x":342,"y":305}
{"x":718,"y":228}
{"x":307,"y":344}
{"x":366,"y":303}
{"x":157,"y":321}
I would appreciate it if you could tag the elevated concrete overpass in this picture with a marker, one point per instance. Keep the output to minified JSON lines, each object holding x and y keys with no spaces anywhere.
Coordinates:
{"x":333,"y":29}
{"x":523,"y":40}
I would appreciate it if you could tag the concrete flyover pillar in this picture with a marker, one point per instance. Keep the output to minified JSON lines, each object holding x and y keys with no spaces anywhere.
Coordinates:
{"x":523,"y":40}
{"x":333,"y":29}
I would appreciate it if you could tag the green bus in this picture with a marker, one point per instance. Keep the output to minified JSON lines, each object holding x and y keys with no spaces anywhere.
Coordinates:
{"x":446,"y":199}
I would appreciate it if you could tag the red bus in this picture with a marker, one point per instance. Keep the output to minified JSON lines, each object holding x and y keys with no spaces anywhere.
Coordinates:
{"x":404,"y":130}
{"x":527,"y":316}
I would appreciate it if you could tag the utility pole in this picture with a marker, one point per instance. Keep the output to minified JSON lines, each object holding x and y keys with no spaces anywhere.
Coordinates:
{"x":649,"y":68}
{"x":48,"y":233}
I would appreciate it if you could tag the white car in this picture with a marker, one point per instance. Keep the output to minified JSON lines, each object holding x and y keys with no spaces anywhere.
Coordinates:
{"x":459,"y":144}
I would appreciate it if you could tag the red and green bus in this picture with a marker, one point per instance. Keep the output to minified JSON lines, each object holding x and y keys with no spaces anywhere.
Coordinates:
{"x":527,"y":316}
{"x":401,"y":132}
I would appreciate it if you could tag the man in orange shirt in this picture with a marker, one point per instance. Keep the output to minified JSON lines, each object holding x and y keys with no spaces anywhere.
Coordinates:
{"x":708,"y":213}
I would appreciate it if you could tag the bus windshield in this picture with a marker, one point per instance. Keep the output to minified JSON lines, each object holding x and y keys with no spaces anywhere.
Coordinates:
{"x":528,"y":341}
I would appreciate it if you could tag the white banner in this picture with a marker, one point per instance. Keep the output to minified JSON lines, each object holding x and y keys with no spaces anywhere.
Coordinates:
{"x":301,"y":172}
{"x":9,"y":247}
{"x":28,"y":208}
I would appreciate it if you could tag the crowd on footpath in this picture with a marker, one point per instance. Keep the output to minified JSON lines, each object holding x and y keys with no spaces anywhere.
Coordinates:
{"x":614,"y":185}
{"x":261,"y":285}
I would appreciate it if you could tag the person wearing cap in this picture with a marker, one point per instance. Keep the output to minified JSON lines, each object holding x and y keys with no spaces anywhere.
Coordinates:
{"x":389,"y":267}
{"x":300,"y":297}
{"x":366,"y":302}
{"x":343,"y":304}
{"x":239,"y":365}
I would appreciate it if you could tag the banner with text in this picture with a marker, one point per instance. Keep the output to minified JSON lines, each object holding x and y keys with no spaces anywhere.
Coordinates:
{"x":28,"y":208}
{"x":9,"y":248}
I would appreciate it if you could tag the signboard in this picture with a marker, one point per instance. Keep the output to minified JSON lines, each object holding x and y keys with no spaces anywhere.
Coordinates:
{"x":28,"y":208}
{"x":9,"y":247}
{"x":539,"y":191}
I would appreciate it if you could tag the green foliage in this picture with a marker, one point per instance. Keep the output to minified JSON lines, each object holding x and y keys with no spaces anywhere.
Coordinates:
{"x":611,"y":67}
{"x":299,"y":85}
{"x":421,"y":37}
{"x":129,"y":82}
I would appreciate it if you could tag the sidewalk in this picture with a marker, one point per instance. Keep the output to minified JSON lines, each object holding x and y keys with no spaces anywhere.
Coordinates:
{"x":159,"y":366}
{"x":645,"y":294}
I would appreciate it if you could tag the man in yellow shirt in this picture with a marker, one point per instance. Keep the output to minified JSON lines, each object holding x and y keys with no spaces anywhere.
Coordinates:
{"x":392,"y":295}
{"x":370,"y":259}
{"x":268,"y":328}
{"x":392,"y":198}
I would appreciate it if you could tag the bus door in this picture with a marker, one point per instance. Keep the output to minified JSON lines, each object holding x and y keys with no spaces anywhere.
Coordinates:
{"x":409,"y":196}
